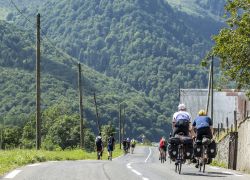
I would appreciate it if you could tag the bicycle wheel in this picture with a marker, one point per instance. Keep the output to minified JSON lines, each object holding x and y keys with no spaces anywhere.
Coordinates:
{"x":179,"y":167}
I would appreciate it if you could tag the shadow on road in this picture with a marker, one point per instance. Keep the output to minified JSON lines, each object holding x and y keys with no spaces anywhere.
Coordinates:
{"x":208,"y":174}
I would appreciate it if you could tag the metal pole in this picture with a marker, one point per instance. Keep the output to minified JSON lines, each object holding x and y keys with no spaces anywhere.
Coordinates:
{"x":179,"y":94}
{"x":38,"y":92}
{"x":80,"y":104}
{"x":97,"y":115}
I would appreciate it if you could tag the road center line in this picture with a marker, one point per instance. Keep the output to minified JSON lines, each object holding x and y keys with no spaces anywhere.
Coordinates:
{"x":136,"y":172}
{"x":12,"y":174}
{"x":150,"y":152}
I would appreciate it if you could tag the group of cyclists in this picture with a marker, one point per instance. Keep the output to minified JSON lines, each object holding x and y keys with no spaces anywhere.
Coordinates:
{"x":181,"y":123}
{"x":127,"y":145}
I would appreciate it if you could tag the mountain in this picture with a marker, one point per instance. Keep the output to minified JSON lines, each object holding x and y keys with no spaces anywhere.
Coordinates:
{"x":202,"y":8}
{"x":59,"y":85}
{"x":150,"y":45}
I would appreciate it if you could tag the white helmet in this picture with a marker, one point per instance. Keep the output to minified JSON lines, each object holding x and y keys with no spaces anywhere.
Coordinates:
{"x":181,"y":107}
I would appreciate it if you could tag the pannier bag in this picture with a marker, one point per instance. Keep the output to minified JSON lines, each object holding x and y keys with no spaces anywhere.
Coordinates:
{"x":197,"y":148}
{"x":173,"y":147}
{"x":188,"y":147}
{"x":212,"y":151}
{"x":173,"y":151}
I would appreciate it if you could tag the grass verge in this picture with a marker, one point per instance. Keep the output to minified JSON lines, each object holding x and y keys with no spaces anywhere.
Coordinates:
{"x":11,"y":159}
{"x":218,"y":164}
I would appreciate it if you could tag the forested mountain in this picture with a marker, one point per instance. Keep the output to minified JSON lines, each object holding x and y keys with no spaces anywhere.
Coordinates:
{"x":59,"y":87}
{"x":143,"y":51}
{"x":203,"y":8}
{"x":144,"y":43}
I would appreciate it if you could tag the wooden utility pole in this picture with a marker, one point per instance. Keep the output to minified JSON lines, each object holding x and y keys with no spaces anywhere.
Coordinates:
{"x":120,"y":125}
{"x":80,"y":104}
{"x":209,"y":87}
{"x":179,"y":94}
{"x":38,"y":91}
{"x":97,"y":115}
{"x":123,"y":123}
{"x":212,"y":89}
{"x":2,"y":129}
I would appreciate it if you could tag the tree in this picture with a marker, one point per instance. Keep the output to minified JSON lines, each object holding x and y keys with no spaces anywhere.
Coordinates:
{"x":232,"y":44}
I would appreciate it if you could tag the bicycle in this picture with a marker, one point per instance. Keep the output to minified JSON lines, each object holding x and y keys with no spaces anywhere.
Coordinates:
{"x":204,"y":156}
{"x":110,"y":156}
{"x":162,"y":155}
{"x":99,"y":155}
{"x":180,"y":159}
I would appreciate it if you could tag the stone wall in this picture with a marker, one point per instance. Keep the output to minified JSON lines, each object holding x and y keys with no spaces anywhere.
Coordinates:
{"x":223,"y":150}
{"x":243,"y":158}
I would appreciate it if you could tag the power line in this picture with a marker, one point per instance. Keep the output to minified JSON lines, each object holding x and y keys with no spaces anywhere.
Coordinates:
{"x":66,"y":55}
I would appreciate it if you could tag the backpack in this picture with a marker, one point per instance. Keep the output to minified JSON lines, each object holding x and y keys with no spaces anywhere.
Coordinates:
{"x":98,"y":142}
{"x":110,"y":141}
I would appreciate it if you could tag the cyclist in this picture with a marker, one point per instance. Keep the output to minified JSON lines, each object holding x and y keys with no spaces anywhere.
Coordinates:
{"x":99,"y":146}
{"x":162,"y":147}
{"x":133,"y":143}
{"x":203,"y":125}
{"x":181,"y":121}
{"x":128,"y":144}
{"x":111,"y":146}
{"x":124,"y":144}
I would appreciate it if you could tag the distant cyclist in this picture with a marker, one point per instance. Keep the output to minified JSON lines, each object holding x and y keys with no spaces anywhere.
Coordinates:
{"x":181,"y":122}
{"x":162,"y":147}
{"x":124,"y":144}
{"x":99,"y":146}
{"x":132,"y":144}
{"x":111,"y":146}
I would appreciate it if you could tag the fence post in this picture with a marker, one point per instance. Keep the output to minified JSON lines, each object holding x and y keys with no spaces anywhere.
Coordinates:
{"x":235,"y":121}
{"x":221,"y":127}
{"x":218,"y":130}
{"x":227,"y":124}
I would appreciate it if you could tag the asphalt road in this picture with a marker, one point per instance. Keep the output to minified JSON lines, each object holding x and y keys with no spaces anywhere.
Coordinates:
{"x":142,"y":165}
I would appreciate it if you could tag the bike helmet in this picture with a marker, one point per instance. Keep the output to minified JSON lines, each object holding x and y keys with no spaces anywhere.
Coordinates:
{"x":181,"y":107}
{"x":202,"y":112}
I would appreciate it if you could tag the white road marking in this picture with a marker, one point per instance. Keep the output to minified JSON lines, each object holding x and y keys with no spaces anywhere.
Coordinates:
{"x":145,"y":178}
{"x":238,"y":174}
{"x":32,"y":165}
{"x":136,"y":172}
{"x":212,"y":167}
{"x":129,"y":166}
{"x":150,"y":152}
{"x":12,"y":174}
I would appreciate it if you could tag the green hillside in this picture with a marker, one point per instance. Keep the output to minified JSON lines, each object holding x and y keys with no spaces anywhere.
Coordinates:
{"x":147,"y":44}
{"x":59,"y":86}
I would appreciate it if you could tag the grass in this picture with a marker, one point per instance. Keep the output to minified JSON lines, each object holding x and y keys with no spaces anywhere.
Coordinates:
{"x":11,"y":159}
{"x":218,"y":164}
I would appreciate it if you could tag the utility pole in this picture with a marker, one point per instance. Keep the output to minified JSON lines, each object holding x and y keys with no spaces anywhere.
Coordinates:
{"x":179,"y":93}
{"x":2,"y":129}
{"x":123,"y":123}
{"x":80,"y":104}
{"x":97,"y":115}
{"x":212,"y":88}
{"x":209,"y":88}
{"x":38,"y":91}
{"x":120,"y":125}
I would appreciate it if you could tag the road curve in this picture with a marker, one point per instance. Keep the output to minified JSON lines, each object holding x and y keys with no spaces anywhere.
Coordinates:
{"x":142,"y":165}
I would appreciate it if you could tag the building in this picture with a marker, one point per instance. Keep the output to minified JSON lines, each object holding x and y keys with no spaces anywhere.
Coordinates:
{"x":225,"y":103}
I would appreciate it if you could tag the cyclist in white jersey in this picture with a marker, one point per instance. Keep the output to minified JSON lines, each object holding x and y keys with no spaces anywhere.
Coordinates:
{"x":181,"y":121}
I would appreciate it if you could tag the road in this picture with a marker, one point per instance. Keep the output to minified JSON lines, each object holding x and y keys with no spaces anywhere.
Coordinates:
{"x":142,"y":165}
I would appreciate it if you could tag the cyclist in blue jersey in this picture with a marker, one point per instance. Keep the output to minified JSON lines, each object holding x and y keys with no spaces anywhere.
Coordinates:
{"x":203,"y":125}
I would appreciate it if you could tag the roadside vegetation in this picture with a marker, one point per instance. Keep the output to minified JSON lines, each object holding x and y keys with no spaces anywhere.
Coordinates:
{"x":11,"y":159}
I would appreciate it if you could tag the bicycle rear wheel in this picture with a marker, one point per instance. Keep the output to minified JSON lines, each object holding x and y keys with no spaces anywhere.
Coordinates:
{"x":179,"y":167}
